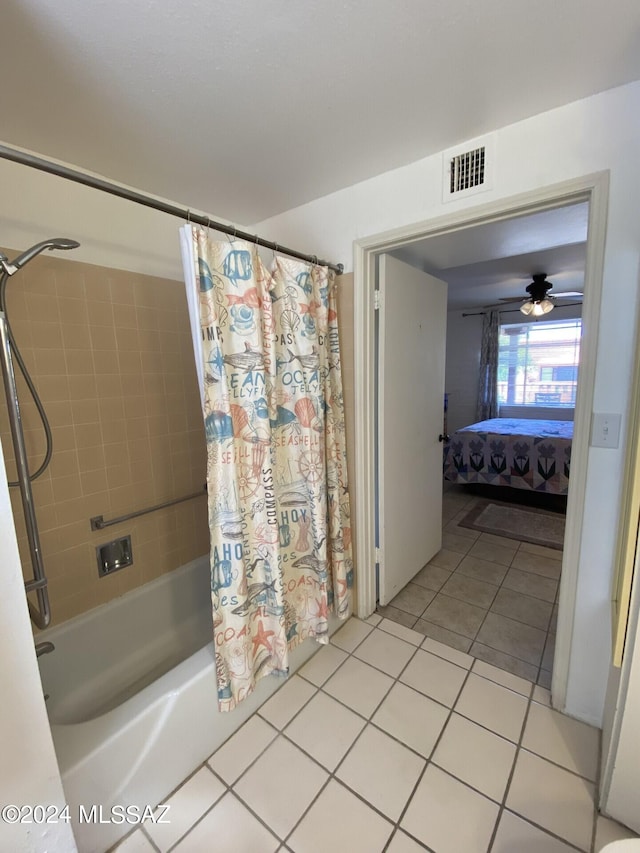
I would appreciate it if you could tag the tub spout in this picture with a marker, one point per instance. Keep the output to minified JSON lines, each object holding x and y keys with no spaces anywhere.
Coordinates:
{"x":44,"y":648}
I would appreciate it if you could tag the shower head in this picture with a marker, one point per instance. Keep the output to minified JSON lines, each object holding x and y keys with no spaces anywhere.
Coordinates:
{"x":55,"y":243}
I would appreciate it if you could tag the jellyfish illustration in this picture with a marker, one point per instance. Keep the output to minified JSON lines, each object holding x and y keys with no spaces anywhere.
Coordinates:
{"x":305,"y":410}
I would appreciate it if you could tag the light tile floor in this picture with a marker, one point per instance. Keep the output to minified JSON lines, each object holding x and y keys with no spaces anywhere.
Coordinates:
{"x":493,"y":597}
{"x":390,"y":741}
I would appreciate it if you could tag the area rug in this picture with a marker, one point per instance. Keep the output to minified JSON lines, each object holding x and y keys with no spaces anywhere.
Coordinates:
{"x":528,"y":524}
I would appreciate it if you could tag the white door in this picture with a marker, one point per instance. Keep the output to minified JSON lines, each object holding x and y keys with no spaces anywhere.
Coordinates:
{"x":411,"y":353}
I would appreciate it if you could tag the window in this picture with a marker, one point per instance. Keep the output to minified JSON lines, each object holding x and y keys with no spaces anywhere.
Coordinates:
{"x":538,"y":363}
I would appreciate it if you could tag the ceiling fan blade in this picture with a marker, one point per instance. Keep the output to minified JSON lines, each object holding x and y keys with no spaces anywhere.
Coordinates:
{"x":568,"y":294}
{"x":513,"y":298}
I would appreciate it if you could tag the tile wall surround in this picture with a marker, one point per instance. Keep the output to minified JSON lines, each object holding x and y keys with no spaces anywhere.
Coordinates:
{"x":111,"y":355}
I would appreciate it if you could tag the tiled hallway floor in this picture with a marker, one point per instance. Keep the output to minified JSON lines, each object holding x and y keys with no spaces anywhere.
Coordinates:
{"x":493,"y":597}
{"x":389,"y":741}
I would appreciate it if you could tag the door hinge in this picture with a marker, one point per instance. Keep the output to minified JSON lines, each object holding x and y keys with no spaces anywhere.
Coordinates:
{"x":378,"y":556}
{"x":377,"y":300}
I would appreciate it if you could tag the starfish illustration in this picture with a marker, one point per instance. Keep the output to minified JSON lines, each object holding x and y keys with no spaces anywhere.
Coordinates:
{"x":262,"y":638}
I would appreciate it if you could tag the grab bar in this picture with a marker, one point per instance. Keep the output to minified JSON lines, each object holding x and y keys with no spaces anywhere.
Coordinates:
{"x":40,"y":615}
{"x":98,"y":522}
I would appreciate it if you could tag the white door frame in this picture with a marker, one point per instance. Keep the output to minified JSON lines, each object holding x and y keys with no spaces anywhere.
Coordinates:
{"x":593,"y":188}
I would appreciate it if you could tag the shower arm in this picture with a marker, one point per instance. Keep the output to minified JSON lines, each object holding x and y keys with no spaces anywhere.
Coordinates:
{"x":40,"y":615}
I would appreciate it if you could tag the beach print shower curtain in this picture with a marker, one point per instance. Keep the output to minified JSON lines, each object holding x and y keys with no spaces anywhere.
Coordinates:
{"x":269,"y":362}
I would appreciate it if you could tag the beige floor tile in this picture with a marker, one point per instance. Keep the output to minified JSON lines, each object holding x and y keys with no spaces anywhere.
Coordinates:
{"x":339,"y":820}
{"x":412,"y":718}
{"x":476,"y":756}
{"x":468,"y":589}
{"x":516,"y":835}
{"x":544,"y":679}
{"x":402,"y":633}
{"x":186,"y":806}
{"x":447,"y":560}
{"x":493,"y":552}
{"x":401,"y":843}
{"x":448,"y":816}
{"x":608,"y":830}
{"x":382,"y":771}
{"x":323,"y":664}
{"x":523,"y":608}
{"x":385,"y":652}
{"x":549,"y":652}
{"x":138,"y":842}
{"x":456,"y":542}
{"x":531,"y":548}
{"x":455,"y":615}
{"x":284,"y":704}
{"x":234,"y":829}
{"x":530,"y":584}
{"x":280,"y":786}
{"x":547,"y":567}
{"x":500,"y":541}
{"x":482,"y":570}
{"x":451,"y":654}
{"x":325,"y":729}
{"x":553,"y":798}
{"x":413,"y":599}
{"x":542,"y":695}
{"x":234,"y":756}
{"x":401,"y":617}
{"x":351,"y":635}
{"x":374,"y":619}
{"x":435,"y":677}
{"x":492,"y":706}
{"x":513,"y":638}
{"x":359,"y":686}
{"x":565,"y":741}
{"x":443,"y":635}
{"x":504,"y":662}
{"x":506,"y":679}
{"x":432,"y":577}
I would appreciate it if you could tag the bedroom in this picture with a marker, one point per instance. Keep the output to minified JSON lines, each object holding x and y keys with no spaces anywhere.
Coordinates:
{"x":496,"y":598}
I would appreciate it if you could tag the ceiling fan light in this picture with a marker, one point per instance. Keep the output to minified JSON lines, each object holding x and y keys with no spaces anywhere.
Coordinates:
{"x":527,"y":307}
{"x":546,"y":305}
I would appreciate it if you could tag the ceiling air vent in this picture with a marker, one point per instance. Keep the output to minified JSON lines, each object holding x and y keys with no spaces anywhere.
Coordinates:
{"x":467,"y":170}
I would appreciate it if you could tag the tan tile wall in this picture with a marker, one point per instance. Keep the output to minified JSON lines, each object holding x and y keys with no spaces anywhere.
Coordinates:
{"x":110,"y":353}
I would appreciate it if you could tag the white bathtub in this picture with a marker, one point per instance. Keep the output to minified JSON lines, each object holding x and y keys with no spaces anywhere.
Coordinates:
{"x":132,"y":698}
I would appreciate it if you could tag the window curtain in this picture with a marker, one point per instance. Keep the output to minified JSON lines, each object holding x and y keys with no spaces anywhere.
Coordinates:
{"x":487,"y":406}
{"x":268,"y":353}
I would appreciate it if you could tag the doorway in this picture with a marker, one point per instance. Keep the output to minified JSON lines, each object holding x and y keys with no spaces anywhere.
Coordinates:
{"x":590,"y":190}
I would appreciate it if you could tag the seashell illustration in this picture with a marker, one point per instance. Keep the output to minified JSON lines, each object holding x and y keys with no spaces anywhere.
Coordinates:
{"x":239,"y":418}
{"x":289,"y":320}
{"x":306,"y":412}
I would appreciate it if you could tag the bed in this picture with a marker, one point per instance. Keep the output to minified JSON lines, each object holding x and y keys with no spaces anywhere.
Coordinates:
{"x":523,"y":454}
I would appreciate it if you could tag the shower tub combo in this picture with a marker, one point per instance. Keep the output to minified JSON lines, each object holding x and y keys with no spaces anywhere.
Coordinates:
{"x":132,"y":698}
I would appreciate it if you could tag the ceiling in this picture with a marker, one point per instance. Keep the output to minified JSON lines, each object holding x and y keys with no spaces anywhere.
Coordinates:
{"x":486,"y":263}
{"x":246,"y":109}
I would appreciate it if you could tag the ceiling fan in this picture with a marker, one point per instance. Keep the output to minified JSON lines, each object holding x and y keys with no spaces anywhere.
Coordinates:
{"x":539,"y":301}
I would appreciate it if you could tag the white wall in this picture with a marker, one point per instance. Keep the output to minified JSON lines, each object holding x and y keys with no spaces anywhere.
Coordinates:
{"x":464,"y":339}
{"x":29,"y":770}
{"x":112,"y":232}
{"x":595,"y":134}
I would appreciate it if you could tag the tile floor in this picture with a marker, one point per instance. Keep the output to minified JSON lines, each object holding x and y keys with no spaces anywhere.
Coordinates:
{"x":493,"y":597}
{"x":387,"y":740}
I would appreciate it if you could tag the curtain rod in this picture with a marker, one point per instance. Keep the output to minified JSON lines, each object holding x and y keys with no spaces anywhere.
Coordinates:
{"x":513,"y":310}
{"x":26,"y":159}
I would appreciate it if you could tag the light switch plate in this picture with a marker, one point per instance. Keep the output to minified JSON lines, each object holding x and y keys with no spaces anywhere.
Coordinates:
{"x":605,"y":430}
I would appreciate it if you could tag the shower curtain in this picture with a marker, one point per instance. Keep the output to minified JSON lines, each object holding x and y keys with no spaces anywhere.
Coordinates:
{"x":268,"y":358}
